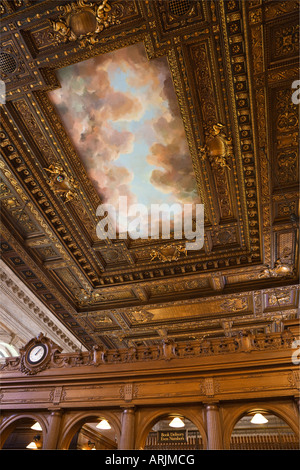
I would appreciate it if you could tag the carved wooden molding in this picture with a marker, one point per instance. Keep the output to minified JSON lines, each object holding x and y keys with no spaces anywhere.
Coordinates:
{"x":168,"y":350}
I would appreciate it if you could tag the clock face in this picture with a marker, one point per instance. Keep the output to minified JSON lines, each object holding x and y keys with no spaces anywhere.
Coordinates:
{"x":37,"y":353}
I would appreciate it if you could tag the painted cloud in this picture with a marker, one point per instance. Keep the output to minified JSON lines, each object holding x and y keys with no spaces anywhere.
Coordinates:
{"x":121,"y":112}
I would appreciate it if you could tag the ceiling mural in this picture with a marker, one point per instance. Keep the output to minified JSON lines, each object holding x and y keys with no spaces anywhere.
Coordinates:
{"x":122,"y":114}
{"x":162,"y":102}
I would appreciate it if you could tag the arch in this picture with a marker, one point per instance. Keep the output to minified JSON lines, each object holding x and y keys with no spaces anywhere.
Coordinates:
{"x":156,"y":415}
{"x":281,"y":411}
{"x":8,"y":424}
{"x":7,"y":350}
{"x":79,"y":419}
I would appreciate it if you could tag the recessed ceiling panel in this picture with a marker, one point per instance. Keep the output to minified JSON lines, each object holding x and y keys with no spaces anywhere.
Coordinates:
{"x":120,"y":110}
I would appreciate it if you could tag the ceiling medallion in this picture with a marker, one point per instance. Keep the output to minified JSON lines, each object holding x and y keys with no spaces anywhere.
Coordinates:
{"x":60,"y":183}
{"x":217,"y":147}
{"x":168,"y":253}
{"x":83,"y":21}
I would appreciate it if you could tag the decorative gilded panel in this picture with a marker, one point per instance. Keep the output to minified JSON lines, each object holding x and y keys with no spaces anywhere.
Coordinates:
{"x":285,"y":135}
{"x":283,"y":41}
{"x":175,"y":15}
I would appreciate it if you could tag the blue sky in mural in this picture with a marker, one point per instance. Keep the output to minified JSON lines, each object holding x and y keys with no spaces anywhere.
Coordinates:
{"x":136,"y":161}
{"x":121,"y":112}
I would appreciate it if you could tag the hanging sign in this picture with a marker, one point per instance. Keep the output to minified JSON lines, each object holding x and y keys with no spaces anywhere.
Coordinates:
{"x":171,"y":436}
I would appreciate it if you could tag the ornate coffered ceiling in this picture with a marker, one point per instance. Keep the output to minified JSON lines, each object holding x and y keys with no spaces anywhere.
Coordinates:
{"x":232,"y":65}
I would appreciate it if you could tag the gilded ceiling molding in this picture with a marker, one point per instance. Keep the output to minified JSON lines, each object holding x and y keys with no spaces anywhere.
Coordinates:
{"x":231,"y":299}
{"x":242,"y":119}
{"x":257,"y":46}
{"x":273,"y":105}
{"x":274,"y":10}
{"x":69,"y":160}
{"x":178,"y":69}
{"x":52,"y":216}
{"x":9,"y":175}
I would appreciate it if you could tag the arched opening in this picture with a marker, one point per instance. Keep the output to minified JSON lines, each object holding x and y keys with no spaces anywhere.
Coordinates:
{"x":23,"y":433}
{"x":98,"y":432}
{"x":262,"y":430}
{"x":174,"y":432}
{"x":7,"y":350}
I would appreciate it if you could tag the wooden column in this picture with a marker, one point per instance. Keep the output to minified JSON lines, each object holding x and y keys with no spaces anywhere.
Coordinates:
{"x":214,"y":432}
{"x":51,"y":438}
{"x":127,"y":432}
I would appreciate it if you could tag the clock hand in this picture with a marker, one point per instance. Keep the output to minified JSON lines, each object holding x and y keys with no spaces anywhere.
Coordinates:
{"x":37,"y":352}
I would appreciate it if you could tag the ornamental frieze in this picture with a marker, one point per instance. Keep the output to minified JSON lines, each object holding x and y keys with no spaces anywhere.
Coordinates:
{"x":166,"y":351}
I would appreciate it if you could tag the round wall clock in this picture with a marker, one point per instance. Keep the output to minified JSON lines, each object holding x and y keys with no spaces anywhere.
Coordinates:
{"x":37,"y":353}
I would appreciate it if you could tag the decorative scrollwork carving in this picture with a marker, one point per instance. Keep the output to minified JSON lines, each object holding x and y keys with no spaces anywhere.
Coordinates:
{"x":280,"y":269}
{"x":83,"y":21}
{"x":168,"y":253}
{"x":61,"y":183}
{"x":217,"y":147}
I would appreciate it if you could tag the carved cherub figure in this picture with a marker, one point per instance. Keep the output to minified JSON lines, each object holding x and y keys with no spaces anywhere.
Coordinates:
{"x":216,"y":148}
{"x":63,"y":30}
{"x":280,"y":269}
{"x":60,"y":182}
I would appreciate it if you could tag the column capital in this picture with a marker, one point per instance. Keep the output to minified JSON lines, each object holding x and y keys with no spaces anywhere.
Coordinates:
{"x":128,"y":409}
{"x":51,"y":438}
{"x":55,"y":410}
{"x":211,"y":405}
